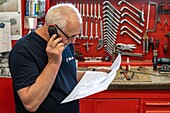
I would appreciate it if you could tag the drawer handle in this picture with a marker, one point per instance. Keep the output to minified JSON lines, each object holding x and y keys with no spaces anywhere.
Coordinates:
{"x":157,"y":103}
{"x":157,"y":112}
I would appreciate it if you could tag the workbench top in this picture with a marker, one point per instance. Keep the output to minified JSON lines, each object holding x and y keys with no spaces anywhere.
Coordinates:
{"x":148,"y":80}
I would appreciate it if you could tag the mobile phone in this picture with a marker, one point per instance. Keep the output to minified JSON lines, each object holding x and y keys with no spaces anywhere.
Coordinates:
{"x":52,"y":30}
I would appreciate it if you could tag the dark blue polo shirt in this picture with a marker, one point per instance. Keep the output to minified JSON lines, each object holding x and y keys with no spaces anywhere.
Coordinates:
{"x":28,"y":59}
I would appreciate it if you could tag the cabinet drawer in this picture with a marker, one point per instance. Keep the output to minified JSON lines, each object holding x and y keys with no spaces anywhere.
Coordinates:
{"x":116,"y":106}
{"x":168,"y":111}
{"x":154,"y":103}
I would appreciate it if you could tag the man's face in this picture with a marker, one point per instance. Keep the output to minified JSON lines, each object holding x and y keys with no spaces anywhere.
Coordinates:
{"x":71,"y":31}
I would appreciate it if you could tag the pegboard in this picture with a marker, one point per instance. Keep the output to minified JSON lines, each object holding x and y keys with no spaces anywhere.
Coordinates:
{"x":159,"y":32}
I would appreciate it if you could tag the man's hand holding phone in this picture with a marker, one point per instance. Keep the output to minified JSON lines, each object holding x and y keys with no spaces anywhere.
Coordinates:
{"x":54,"y":49}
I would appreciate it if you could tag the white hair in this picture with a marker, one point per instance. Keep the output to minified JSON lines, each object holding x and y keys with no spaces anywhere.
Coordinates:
{"x":62,"y":14}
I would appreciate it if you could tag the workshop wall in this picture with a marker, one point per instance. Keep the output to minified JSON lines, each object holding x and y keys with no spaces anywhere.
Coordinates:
{"x":122,"y":34}
{"x":119,"y":30}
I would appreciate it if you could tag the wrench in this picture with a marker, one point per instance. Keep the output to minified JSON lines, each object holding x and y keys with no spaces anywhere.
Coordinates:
{"x":112,"y":37}
{"x":100,"y":41}
{"x":110,"y":22}
{"x":108,"y":51}
{"x":95,"y":16}
{"x":82,"y":36}
{"x":108,"y":29}
{"x":107,"y":2}
{"x":96,"y":37}
{"x":83,"y":10}
{"x":87,"y":10}
{"x":107,"y":7}
{"x":123,"y":8}
{"x":123,"y":14}
{"x":141,"y":13}
{"x":99,"y":17}
{"x":130,"y":36}
{"x":106,"y":11}
{"x":139,"y":37}
{"x":91,"y":10}
{"x":109,"y":46}
{"x":107,"y":37}
{"x":107,"y":17}
{"x":86,"y":30}
{"x":125,"y":20}
{"x":91,"y":30}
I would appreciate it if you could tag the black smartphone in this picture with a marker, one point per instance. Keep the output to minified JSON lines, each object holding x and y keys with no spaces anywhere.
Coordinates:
{"x":52,"y":30}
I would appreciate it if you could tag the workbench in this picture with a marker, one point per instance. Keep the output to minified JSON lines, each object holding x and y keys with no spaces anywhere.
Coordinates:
{"x":128,"y":96}
{"x":120,"y":94}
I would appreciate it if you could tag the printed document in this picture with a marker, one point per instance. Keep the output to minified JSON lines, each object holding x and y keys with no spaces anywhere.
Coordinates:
{"x":93,"y":82}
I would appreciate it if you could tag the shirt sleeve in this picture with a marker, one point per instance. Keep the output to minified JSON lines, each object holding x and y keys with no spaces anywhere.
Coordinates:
{"x":23,"y":69}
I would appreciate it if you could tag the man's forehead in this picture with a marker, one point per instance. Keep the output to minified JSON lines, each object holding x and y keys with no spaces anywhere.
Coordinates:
{"x":75,"y":28}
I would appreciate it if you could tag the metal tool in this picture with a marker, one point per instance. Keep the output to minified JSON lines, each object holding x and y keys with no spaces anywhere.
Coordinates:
{"x":125,"y":20}
{"x":108,"y":18}
{"x":86,"y":30}
{"x":87,"y":10}
{"x":165,"y":63}
{"x":82,"y":36}
{"x":126,"y":13}
{"x":147,"y":24}
{"x":168,"y":35}
{"x":95,"y":15}
{"x":126,"y":8}
{"x":129,"y":47}
{"x":136,"y":40}
{"x":107,"y":2}
{"x":81,"y":7}
{"x":151,"y":43}
{"x":125,"y":74}
{"x":105,"y":24}
{"x":141,"y":13}
{"x":91,"y":30}
{"x":100,"y":41}
{"x":144,"y":44}
{"x":83,"y":15}
{"x":91,"y":10}
{"x":110,"y":10}
{"x":111,"y":15}
{"x":110,"y":22}
{"x":123,"y":27}
{"x":109,"y":37}
{"x":96,"y":36}
{"x":129,"y":54}
{"x":99,"y":17}
{"x":109,"y":31}
{"x":87,"y":44}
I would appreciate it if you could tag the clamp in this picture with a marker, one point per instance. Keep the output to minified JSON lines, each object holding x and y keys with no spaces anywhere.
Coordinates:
{"x":126,"y":46}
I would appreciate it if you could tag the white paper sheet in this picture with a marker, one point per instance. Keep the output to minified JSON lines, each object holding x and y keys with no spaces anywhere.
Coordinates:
{"x":93,"y":82}
{"x":5,"y":37}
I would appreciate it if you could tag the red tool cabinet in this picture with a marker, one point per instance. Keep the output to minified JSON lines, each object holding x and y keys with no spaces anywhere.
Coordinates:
{"x":127,"y":101}
{"x":117,"y":101}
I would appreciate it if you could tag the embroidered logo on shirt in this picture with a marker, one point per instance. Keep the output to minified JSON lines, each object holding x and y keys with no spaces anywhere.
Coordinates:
{"x":69,"y":59}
